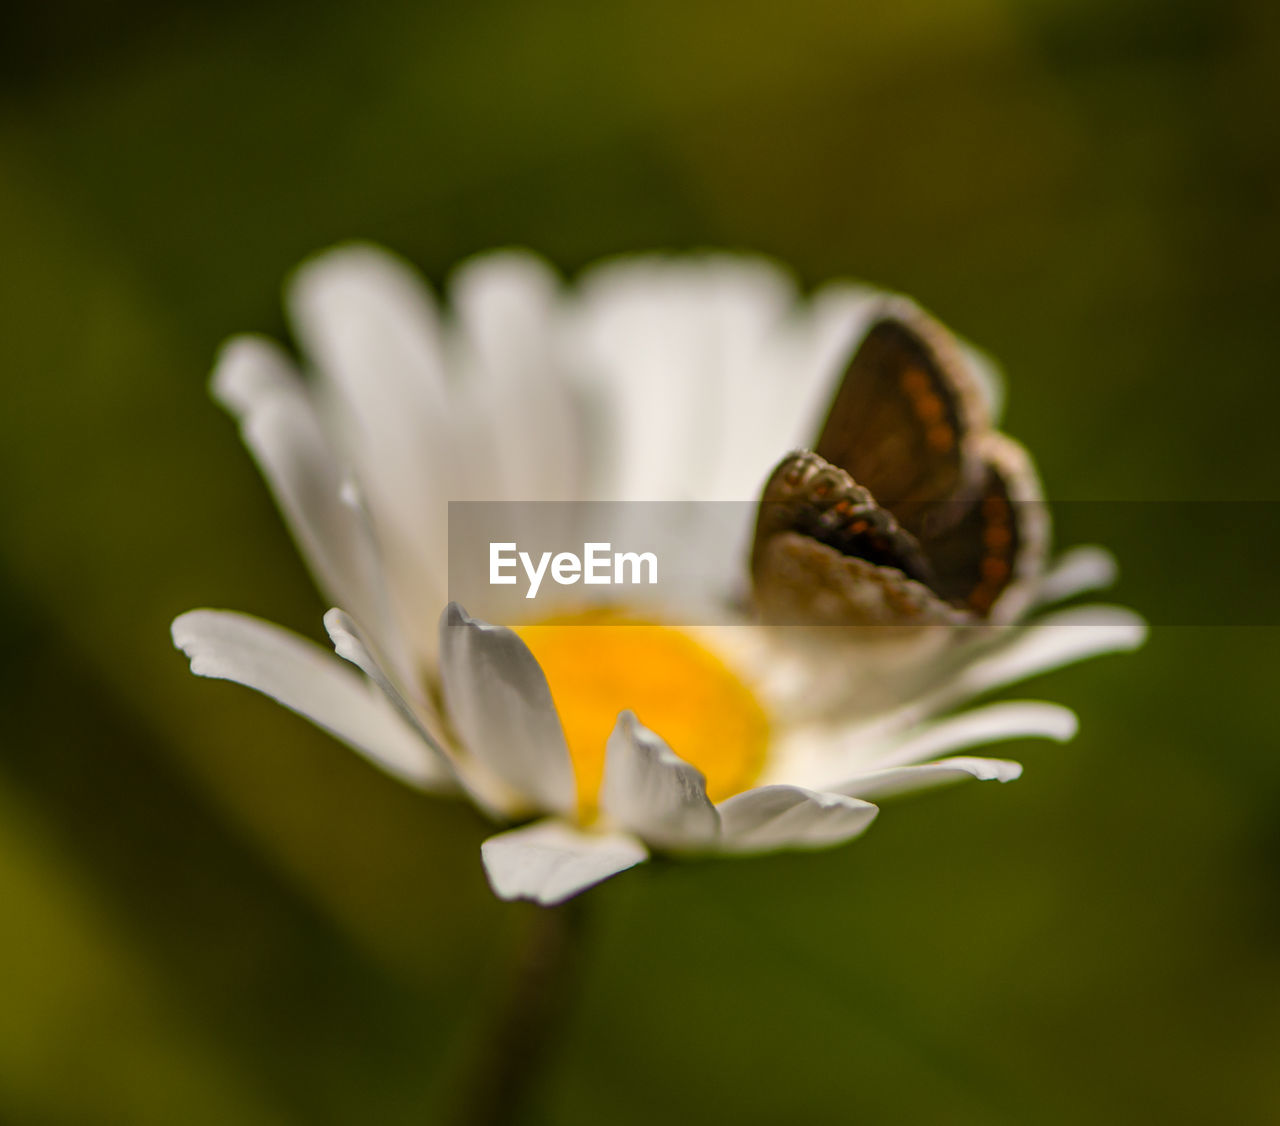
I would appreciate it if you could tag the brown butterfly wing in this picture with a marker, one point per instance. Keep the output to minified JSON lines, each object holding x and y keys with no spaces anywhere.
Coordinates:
{"x":802,"y":582}
{"x":901,"y":419}
{"x":826,"y":553}
{"x":912,"y":510}
{"x":807,"y":495}
{"x":996,"y":542}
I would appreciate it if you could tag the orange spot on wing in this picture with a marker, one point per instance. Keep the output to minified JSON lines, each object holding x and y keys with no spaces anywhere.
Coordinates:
{"x":940,"y":437}
{"x":997,"y":537}
{"x":982,"y":598}
{"x":994,"y":569}
{"x":930,"y":408}
{"x":914,"y":382}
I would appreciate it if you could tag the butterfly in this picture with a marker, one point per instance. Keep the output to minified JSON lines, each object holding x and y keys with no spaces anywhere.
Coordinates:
{"x":911,"y":508}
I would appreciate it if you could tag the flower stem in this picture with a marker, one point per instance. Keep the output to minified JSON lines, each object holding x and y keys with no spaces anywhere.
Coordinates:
{"x":535,"y":1006}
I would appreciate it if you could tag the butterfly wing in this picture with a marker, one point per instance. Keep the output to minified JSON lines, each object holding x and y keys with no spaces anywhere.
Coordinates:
{"x":803,"y":582}
{"x":807,"y":495}
{"x":985,"y":558}
{"x":911,"y":510}
{"x":902,"y":417}
{"x":826,"y":552}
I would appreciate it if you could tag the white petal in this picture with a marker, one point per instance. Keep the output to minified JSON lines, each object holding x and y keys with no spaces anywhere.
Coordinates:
{"x":1060,"y":639}
{"x":751,"y":305}
{"x":369,"y":320}
{"x":663,"y":341}
{"x":550,"y":861}
{"x":256,"y":382}
{"x":248,"y":369}
{"x":828,"y":758}
{"x":785,"y":817}
{"x":1075,"y":571}
{"x":310,"y":681}
{"x":989,"y":658}
{"x":1015,"y":719}
{"x":368,"y":323}
{"x":654,"y":793}
{"x":899,"y":779}
{"x":351,"y":645}
{"x":508,"y":304}
{"x":500,"y":704}
{"x":639,"y":349}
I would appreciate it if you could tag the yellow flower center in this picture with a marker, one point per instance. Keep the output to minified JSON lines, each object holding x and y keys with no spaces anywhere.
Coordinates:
{"x":599,"y":665}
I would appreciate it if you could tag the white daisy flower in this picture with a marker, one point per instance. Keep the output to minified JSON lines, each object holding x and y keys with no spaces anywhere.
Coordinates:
{"x":652,"y":378}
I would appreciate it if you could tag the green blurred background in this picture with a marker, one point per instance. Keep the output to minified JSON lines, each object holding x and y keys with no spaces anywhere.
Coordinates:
{"x":211,"y":913}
